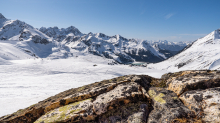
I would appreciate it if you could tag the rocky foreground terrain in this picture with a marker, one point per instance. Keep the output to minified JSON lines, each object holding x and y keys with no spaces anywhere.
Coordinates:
{"x":186,"y":96}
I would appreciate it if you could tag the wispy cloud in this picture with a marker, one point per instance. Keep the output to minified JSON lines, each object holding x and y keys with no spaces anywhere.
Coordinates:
{"x":168,"y":16}
{"x":193,"y":34}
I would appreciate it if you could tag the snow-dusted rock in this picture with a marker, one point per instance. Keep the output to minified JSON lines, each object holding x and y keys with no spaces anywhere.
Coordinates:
{"x":60,"y":34}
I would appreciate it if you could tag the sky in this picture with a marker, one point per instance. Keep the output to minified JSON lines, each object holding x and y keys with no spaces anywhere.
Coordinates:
{"x":172,"y":20}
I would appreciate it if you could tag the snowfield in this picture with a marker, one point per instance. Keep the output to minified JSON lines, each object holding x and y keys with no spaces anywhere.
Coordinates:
{"x":25,"y":82}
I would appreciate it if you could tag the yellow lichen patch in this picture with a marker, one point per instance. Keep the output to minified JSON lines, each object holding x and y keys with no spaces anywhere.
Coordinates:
{"x":152,"y":93}
{"x":156,"y":97}
{"x":68,"y":100}
{"x":62,"y":114}
{"x":175,"y":98}
{"x":81,"y":88}
{"x":159,"y":98}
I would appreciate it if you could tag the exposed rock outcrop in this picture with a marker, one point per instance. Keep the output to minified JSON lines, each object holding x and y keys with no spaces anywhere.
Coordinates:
{"x":206,"y":103}
{"x":166,"y":106}
{"x":192,"y":80}
{"x":186,"y":96}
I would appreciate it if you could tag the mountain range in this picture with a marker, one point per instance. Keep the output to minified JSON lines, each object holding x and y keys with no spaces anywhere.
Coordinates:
{"x":53,"y":42}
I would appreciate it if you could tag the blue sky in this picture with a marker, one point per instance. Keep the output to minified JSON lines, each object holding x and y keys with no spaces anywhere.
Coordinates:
{"x":173,"y":20}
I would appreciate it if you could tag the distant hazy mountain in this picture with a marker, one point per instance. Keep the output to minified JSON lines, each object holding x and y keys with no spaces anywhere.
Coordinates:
{"x":204,"y":53}
{"x":59,"y":43}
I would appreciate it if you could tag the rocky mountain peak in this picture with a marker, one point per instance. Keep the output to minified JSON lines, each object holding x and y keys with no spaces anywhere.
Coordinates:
{"x":73,"y":30}
{"x":2,"y":17}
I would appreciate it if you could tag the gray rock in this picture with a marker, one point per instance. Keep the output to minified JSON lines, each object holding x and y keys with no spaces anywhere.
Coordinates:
{"x":192,"y":80}
{"x":206,"y":103}
{"x":166,"y":106}
{"x":121,"y":95}
{"x":72,"y":112}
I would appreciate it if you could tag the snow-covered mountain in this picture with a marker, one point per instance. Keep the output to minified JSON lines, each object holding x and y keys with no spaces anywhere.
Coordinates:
{"x":53,"y":42}
{"x":27,"y":38}
{"x":204,"y":53}
{"x":114,"y":47}
{"x":169,"y":48}
{"x":60,"y":34}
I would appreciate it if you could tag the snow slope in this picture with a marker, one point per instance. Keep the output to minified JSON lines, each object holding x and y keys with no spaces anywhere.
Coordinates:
{"x":9,"y":51}
{"x":204,"y":53}
{"x":29,"y":39}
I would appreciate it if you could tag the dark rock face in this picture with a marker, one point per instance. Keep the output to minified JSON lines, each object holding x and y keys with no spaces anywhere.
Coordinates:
{"x":145,"y":56}
{"x":59,"y":34}
{"x":37,"y":39}
{"x":131,"y":99}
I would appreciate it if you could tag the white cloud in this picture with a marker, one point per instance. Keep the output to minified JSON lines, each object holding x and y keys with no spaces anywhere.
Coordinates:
{"x":168,"y":16}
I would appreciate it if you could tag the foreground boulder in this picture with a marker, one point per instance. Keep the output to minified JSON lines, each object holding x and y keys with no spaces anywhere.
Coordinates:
{"x":192,"y":80}
{"x":206,"y":103}
{"x":186,"y":96}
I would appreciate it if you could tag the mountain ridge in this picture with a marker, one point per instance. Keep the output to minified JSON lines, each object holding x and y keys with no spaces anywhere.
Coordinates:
{"x":123,"y":50}
{"x":200,"y":54}
{"x":53,"y":42}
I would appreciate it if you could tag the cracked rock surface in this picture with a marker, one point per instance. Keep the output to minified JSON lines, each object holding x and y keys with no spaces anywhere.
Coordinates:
{"x":206,"y":103}
{"x":166,"y":106}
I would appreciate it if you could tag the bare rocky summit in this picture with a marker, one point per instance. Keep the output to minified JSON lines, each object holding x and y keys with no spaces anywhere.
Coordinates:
{"x":186,"y":96}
